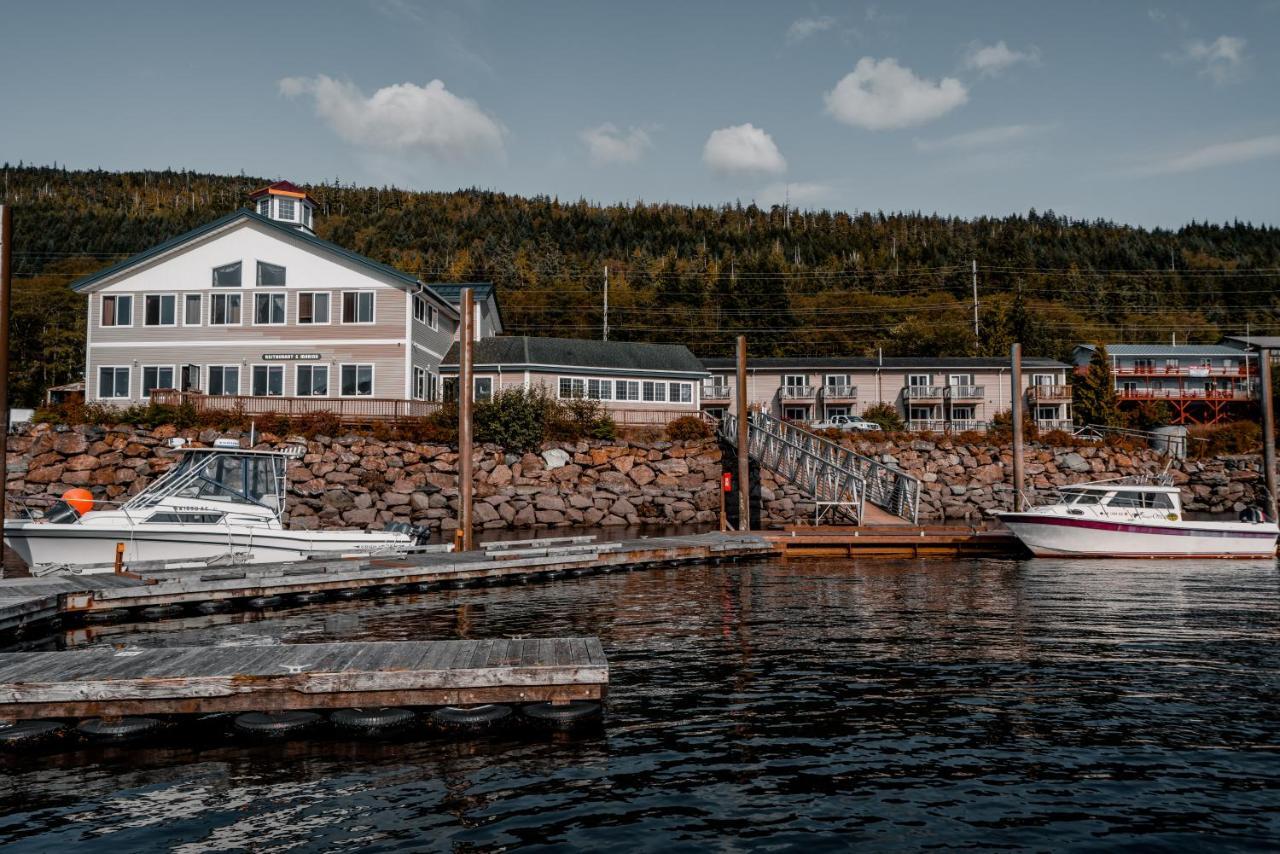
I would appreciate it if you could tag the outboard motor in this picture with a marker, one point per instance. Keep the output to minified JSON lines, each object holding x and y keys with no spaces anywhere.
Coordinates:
{"x":419,"y":533}
{"x":1253,"y":515}
{"x":73,"y":504}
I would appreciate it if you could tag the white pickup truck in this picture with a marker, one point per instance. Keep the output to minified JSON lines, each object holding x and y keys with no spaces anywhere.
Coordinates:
{"x":845,"y":422}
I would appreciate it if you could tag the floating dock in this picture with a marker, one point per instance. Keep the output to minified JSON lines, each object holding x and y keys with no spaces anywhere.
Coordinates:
{"x":108,"y":682}
{"x":895,"y":541}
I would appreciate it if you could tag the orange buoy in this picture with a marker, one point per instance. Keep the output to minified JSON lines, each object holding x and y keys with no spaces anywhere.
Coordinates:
{"x":79,"y":500}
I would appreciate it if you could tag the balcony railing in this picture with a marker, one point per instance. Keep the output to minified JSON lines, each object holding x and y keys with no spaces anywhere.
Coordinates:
{"x":963,"y":426}
{"x":1182,"y":371}
{"x":839,"y":392}
{"x":925,"y":392}
{"x":1049,"y":392}
{"x":1184,"y":394}
{"x":967,"y":392}
{"x":1047,"y":424}
{"x":798,"y":392}
{"x":715,"y":392}
{"x":348,"y":410}
{"x":930,"y":425}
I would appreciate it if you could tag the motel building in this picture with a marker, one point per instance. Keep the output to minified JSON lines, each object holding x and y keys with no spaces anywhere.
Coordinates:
{"x":930,"y":393}
{"x":254,"y":306}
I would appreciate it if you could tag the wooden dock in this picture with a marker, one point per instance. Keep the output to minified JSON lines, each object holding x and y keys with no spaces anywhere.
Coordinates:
{"x":895,"y":541}
{"x":108,"y":682}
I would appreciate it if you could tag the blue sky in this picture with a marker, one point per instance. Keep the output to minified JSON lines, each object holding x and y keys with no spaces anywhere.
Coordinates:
{"x":1153,"y":114}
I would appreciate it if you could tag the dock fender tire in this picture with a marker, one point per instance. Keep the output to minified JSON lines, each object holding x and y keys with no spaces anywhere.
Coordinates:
{"x":275,"y":724}
{"x":120,"y":728}
{"x":470,"y":717}
{"x":260,"y":603}
{"x":347,"y":593}
{"x":111,"y":615}
{"x":371,"y":720}
{"x":563,"y":717}
{"x":160,"y":612}
{"x":21,"y":733}
{"x":212,"y":607}
{"x":307,"y":598}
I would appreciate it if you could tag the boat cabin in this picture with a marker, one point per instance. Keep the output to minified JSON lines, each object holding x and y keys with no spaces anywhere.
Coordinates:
{"x":1108,"y":499}
{"x":205,"y":481}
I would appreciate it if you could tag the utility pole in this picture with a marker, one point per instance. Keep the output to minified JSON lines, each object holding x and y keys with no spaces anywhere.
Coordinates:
{"x":464,"y":540}
{"x":744,"y":464}
{"x":606,"y":302}
{"x":1268,"y":431}
{"x":6,"y":280}
{"x":1015,"y":410}
{"x":975,"y":300}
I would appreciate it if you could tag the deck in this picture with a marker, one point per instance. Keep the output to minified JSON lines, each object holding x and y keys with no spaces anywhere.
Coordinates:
{"x":106,"y":682}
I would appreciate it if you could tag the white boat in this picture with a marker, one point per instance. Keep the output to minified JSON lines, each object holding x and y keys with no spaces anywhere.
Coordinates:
{"x":1132,"y":518}
{"x":220,"y":505}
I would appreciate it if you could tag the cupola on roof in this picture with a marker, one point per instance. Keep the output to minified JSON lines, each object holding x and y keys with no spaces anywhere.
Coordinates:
{"x":285,"y":202}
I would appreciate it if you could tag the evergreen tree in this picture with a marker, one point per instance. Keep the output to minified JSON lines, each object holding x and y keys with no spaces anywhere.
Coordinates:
{"x":1094,"y":398}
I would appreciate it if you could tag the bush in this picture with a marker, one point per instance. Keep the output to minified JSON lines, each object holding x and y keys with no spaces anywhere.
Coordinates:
{"x":1059,"y":439}
{"x":688,"y":428}
{"x":1002,"y":426}
{"x":1148,"y":414}
{"x":1238,"y":437}
{"x":886,"y":415}
{"x":515,"y":418}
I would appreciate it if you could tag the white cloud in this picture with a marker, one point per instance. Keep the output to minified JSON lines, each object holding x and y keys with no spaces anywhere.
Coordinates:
{"x":798,"y":193}
{"x":983,"y":138}
{"x":609,"y":144}
{"x":882,"y":95}
{"x":403,"y":117}
{"x":1218,"y":154}
{"x":802,"y":28}
{"x":1220,"y":60}
{"x":993,"y":59}
{"x":743,"y":149}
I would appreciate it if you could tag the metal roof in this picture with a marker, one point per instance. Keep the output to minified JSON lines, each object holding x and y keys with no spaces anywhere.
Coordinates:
{"x":1253,"y":342}
{"x":1162,"y":350}
{"x":859,"y":363}
{"x":526,"y":350}
{"x":451,"y":292}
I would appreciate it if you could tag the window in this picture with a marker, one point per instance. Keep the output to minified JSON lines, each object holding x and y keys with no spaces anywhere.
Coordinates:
{"x":357,"y":306}
{"x":433,"y":317}
{"x":795,"y":380}
{"x":313,"y":308}
{"x":113,"y":382}
{"x":268,"y":309}
{"x":313,"y":381}
{"x":270,"y":275}
{"x":484,"y":388}
{"x":159,"y":310}
{"x":1171,"y":363}
{"x":680,"y":393}
{"x":192,"y":309}
{"x":919,"y":380}
{"x":626,"y":390}
{"x":653,"y":392}
{"x":117,"y":310}
{"x":419,"y":383}
{"x":224,"y":309}
{"x":357,"y":380}
{"x":600,"y":389}
{"x":264,"y":206}
{"x":571,"y":387}
{"x":306,"y":215}
{"x":268,"y":381}
{"x":224,"y":380}
{"x":285,"y":209}
{"x":154,"y":377}
{"x":227,"y":276}
{"x":795,"y":413}
{"x":837,"y":381}
{"x":1046,"y":413}
{"x":190,"y":378}
{"x":420,"y":309}
{"x":962,"y":413}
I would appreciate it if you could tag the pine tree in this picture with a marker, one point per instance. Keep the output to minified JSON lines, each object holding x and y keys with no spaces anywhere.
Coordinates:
{"x":1094,"y":399}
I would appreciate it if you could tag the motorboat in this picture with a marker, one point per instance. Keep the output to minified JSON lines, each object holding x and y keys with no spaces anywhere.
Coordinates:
{"x":218,"y":505}
{"x":1136,"y":517}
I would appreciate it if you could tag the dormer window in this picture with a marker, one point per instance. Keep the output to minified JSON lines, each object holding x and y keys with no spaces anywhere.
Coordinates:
{"x":306,"y":215}
{"x":270,"y":275}
{"x":285,"y":203}
{"x":264,"y":206}
{"x":286,"y":209}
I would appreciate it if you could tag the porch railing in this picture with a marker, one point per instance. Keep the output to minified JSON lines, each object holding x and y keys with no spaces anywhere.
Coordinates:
{"x":348,"y":410}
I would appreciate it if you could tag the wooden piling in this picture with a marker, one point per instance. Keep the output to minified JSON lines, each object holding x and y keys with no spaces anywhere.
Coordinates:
{"x":1268,"y":432}
{"x":1015,"y":357}
{"x":744,"y":464}
{"x":6,"y":281}
{"x":466,"y":391}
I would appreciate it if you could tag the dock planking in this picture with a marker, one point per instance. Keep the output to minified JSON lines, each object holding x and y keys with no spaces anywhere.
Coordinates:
{"x":201,"y":680}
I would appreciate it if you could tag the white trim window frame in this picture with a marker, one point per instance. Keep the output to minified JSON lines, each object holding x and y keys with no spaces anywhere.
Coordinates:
{"x":270,"y":269}
{"x":626,"y":390}
{"x":356,"y":366}
{"x":144,"y":390}
{"x":598,"y":389}
{"x":116,"y":312}
{"x":421,"y":309}
{"x":571,"y":388}
{"x":274,"y":300}
{"x":186,"y":309}
{"x":482,"y":388}
{"x":226,"y":299}
{"x":222,"y":380}
{"x":433,"y":317}
{"x":328,"y":308}
{"x":115,"y":381}
{"x":269,"y":370}
{"x":311,"y":371}
{"x":419,"y":382}
{"x":358,"y":307}
{"x":158,"y":301}
{"x":653,"y":391}
{"x":678,"y":392}
{"x":227,"y":269}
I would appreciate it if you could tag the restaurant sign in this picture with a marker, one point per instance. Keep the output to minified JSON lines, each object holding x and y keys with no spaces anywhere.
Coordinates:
{"x":290,"y":357}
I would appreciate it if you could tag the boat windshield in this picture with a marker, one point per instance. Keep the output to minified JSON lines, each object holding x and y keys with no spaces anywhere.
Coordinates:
{"x":240,"y":478}
{"x":1145,"y":500}
{"x":1078,"y":498}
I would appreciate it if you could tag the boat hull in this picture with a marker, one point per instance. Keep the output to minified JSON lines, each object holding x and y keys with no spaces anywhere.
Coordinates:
{"x":1068,"y":536}
{"x":80,"y":548}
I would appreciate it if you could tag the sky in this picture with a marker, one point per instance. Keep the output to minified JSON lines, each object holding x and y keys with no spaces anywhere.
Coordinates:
{"x":1150,"y":114}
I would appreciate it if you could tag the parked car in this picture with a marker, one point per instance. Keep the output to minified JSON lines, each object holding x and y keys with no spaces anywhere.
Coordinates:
{"x":845,"y":422}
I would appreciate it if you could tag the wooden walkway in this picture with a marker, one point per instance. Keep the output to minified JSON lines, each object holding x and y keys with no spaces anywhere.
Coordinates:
{"x":106,"y":682}
{"x":890,"y":541}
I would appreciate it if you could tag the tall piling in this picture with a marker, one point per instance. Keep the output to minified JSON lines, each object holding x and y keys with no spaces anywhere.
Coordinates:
{"x":744,"y":461}
{"x":1268,"y":431}
{"x":1015,"y":411}
{"x":466,"y":391}
{"x":6,"y":280}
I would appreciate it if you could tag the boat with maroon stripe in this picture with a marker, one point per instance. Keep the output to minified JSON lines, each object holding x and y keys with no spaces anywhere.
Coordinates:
{"x":1133,"y":517}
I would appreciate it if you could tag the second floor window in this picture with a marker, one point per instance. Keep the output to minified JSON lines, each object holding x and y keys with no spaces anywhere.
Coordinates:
{"x":159,"y":310}
{"x":357,"y":306}
{"x":285,"y":207}
{"x":117,"y":310}
{"x":270,"y":275}
{"x":227,"y":276}
{"x":420,"y":309}
{"x":224,"y":310}
{"x":268,"y":309}
{"x":313,"y":308}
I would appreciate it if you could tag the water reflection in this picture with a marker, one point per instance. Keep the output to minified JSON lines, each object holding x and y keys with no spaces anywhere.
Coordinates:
{"x":899,"y":704}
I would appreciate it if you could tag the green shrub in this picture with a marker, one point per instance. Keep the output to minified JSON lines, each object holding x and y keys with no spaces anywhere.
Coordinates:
{"x":886,"y":415}
{"x":688,"y":428}
{"x":515,"y":418}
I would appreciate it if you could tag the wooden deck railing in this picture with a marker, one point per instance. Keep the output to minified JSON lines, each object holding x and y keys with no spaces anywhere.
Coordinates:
{"x":349,"y":410}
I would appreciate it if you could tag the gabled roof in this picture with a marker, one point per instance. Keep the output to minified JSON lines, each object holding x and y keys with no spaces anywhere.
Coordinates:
{"x":244,"y":213}
{"x":853,"y":363}
{"x":1252,"y":342}
{"x":451,"y":292}
{"x":524,"y":351}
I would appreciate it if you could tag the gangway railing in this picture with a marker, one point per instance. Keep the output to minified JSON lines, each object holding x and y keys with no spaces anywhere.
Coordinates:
{"x":835,"y":477}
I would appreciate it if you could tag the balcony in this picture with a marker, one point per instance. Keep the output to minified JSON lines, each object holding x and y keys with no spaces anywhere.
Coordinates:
{"x":967,"y":392}
{"x":1049,"y":392}
{"x":924,"y":392}
{"x":837,"y":393}
{"x":1182,"y":371}
{"x":798,"y":392}
{"x":965,"y":426}
{"x":1184,"y":394}
{"x":712,"y":392}
{"x":1048,"y":424}
{"x":927,"y":425}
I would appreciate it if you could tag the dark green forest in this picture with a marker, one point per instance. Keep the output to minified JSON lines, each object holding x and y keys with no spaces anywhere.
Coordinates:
{"x":795,"y":282}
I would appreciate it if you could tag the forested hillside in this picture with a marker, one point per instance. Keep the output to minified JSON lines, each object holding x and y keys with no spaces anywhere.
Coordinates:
{"x":796,"y":282}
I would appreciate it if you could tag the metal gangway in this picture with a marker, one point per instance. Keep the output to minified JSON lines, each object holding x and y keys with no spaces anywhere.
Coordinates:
{"x":838,"y":480}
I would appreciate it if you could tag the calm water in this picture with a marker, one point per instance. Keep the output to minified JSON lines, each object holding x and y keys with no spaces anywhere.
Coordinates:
{"x":905,"y":705}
